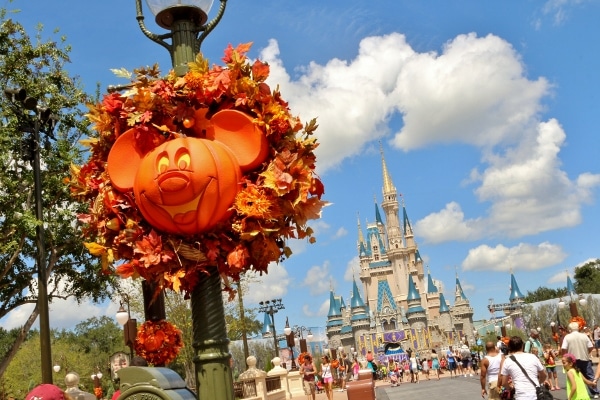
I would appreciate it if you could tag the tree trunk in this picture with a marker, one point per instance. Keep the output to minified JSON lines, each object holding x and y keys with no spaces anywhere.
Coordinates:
{"x":10,"y":354}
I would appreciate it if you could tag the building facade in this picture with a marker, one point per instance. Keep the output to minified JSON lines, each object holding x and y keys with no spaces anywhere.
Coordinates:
{"x":403,"y":307}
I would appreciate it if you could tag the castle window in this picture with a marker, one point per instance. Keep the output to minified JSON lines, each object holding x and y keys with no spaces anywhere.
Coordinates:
{"x":389,"y":326}
{"x":376,"y":257}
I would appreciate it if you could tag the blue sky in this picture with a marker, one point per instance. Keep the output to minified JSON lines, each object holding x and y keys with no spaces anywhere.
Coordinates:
{"x":485,"y":111}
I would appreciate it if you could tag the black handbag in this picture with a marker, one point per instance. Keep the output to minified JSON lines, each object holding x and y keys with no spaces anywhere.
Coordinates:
{"x":541,"y":391}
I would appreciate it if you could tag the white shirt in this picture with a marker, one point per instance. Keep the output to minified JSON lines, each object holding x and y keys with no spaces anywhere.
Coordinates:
{"x":524,"y":389}
{"x":579,"y":344}
{"x":493,"y":368}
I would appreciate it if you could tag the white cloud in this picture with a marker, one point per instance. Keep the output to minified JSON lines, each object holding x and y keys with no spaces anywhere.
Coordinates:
{"x":527,"y":191}
{"x":559,"y":9}
{"x":341,"y":232}
{"x":352,"y":269}
{"x":524,"y":257}
{"x":475,"y":92}
{"x":269,"y":286}
{"x":447,"y":224}
{"x":318,"y":279}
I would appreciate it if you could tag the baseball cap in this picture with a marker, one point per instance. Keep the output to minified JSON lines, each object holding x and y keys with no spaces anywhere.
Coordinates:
{"x":46,"y":391}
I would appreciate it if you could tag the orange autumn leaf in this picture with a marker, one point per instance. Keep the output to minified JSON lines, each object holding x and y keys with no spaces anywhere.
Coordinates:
{"x":260,"y":71}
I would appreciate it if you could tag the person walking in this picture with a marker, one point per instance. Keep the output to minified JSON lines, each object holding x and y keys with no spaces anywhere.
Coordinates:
{"x":576,"y":382}
{"x":307,"y":370}
{"x":550,"y":364}
{"x":414,"y":369}
{"x":490,"y":371}
{"x":425,"y":368}
{"x":435,"y":364}
{"x":531,"y":365}
{"x":327,"y":376}
{"x":597,"y":339}
{"x":355,"y":369}
{"x":580,"y":345}
{"x":451,"y":361}
{"x":533,"y":344}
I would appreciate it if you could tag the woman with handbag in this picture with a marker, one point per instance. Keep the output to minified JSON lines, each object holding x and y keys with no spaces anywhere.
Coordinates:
{"x":521,"y":367}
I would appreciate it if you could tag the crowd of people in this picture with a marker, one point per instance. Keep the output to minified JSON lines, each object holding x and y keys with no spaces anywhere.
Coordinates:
{"x":519,"y":369}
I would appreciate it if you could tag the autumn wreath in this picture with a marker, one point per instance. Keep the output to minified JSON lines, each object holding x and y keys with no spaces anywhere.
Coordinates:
{"x":276,"y":195}
{"x":158,"y":342}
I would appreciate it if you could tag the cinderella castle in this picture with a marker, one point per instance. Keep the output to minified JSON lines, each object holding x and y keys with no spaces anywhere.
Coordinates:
{"x":403,"y":306}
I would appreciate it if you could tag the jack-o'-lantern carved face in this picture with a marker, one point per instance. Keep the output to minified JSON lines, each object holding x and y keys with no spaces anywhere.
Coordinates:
{"x":187,"y":185}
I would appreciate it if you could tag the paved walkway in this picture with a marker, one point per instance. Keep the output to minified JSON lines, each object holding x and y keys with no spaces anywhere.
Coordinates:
{"x":455,"y":388}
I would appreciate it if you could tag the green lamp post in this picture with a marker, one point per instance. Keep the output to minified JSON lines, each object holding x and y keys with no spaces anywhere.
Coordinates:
{"x":186,"y":22}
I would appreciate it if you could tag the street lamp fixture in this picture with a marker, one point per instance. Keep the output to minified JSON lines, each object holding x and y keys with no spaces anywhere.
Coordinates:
{"x":186,"y":20}
{"x":271,"y":307}
{"x":573,"y":297}
{"x":57,"y":364}
{"x":35,"y":119}
{"x":96,"y":379}
{"x":129,"y":324}
{"x":295,"y":336}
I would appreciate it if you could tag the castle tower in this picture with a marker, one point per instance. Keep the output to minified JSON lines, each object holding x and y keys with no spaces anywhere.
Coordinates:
{"x":335,"y":319}
{"x":462,"y":312}
{"x":433,"y":298}
{"x":445,"y":319}
{"x":416,"y":313}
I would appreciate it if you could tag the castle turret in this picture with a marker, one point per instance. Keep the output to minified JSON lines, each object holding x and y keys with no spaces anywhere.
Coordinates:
{"x":415,"y":313}
{"x":433,"y":298}
{"x":462,"y":312}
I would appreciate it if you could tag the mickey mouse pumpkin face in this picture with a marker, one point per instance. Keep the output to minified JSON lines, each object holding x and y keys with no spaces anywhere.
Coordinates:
{"x":187,"y":185}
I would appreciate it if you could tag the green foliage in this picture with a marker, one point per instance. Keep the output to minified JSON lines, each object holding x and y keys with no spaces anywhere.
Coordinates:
{"x":544,"y":293}
{"x":38,"y":66}
{"x":84,"y":350}
{"x":587,"y":277}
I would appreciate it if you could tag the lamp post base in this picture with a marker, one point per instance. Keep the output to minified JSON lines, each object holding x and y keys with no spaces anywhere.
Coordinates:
{"x":214,"y":379}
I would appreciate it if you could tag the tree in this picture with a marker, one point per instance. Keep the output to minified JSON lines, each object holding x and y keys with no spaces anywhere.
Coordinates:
{"x":83,"y":350}
{"x":70,"y":270}
{"x":544,"y":293}
{"x":587,"y":277}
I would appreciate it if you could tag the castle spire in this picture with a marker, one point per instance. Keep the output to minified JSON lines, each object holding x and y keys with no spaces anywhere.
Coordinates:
{"x":515,"y":293}
{"x":408,"y":231}
{"x":431,"y":288}
{"x":443,"y":306}
{"x":333,"y":309}
{"x":378,"y":218}
{"x":570,"y":286}
{"x":361,"y":238}
{"x":460,"y":294}
{"x":388,"y":186}
{"x":357,"y":300}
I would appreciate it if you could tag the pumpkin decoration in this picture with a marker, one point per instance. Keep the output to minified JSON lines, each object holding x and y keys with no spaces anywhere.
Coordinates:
{"x":187,"y":185}
{"x":188,"y":173}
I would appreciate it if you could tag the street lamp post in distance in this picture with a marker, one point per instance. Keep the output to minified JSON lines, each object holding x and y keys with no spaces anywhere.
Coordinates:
{"x":129,"y":324}
{"x":41,"y":120}
{"x":271,"y":307}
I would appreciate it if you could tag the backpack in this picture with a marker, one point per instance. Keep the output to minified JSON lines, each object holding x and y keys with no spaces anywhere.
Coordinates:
{"x":504,"y":348}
